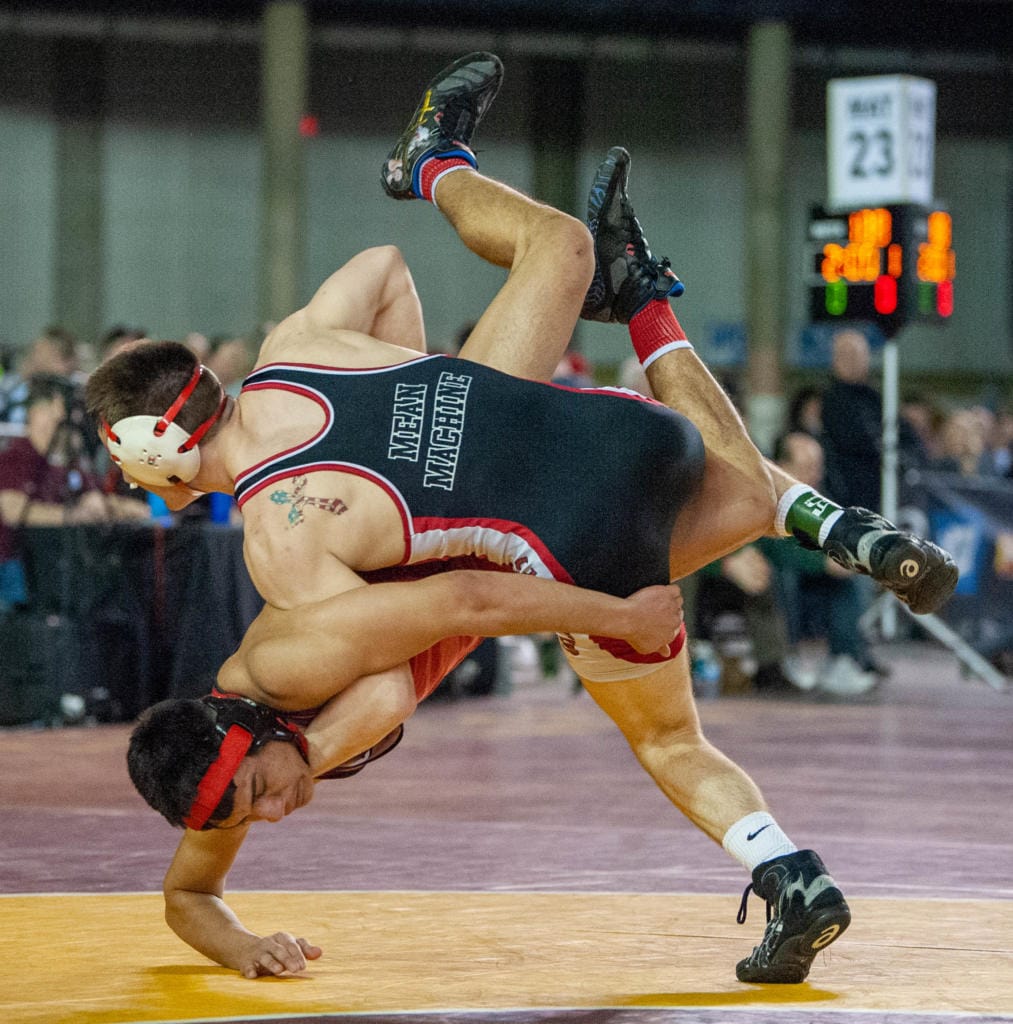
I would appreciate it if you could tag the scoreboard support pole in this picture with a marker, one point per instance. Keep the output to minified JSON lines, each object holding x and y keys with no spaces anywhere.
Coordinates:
{"x":889,"y":468}
{"x":885,"y":606}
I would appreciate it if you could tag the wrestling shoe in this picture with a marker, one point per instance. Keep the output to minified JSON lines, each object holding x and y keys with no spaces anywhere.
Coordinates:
{"x":805,"y":913}
{"x":626,"y":275}
{"x":918,"y":572}
{"x":446,"y":119}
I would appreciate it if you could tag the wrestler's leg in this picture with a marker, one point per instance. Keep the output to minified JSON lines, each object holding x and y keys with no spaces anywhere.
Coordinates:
{"x":736,"y":500}
{"x":529,"y":323}
{"x":806,"y":909}
{"x":549,"y":255}
{"x":658,"y":717}
{"x":742,"y":496}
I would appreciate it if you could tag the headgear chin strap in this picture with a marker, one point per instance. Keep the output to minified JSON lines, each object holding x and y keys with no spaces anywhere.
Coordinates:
{"x":245,"y":727}
{"x":155,"y":450}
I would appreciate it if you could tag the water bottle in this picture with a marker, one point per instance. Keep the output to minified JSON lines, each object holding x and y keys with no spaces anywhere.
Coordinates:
{"x":706,"y":670}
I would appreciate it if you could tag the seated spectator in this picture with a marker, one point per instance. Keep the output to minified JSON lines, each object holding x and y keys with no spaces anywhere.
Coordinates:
{"x":819,"y":598}
{"x":574,"y":370}
{"x":921,"y":421}
{"x":116,"y":339}
{"x":44,"y":480}
{"x":964,"y":442}
{"x":805,"y":413}
{"x":52,"y":352}
{"x":743,"y":583}
{"x":231,"y":359}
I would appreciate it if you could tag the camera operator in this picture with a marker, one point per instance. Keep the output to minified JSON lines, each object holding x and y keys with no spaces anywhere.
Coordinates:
{"x":46,"y":477}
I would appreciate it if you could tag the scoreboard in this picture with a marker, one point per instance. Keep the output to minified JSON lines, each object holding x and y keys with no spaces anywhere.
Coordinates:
{"x":893,"y":265}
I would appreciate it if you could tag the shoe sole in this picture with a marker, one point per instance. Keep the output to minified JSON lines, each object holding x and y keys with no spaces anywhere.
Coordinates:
{"x":920,"y":577}
{"x":792,"y":961}
{"x":402,"y":192}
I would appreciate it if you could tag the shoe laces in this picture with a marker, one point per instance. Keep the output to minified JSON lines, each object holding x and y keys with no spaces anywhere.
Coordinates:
{"x":740,"y":917}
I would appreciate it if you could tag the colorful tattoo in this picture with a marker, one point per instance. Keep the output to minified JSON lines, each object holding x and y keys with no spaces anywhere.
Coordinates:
{"x":300,"y":501}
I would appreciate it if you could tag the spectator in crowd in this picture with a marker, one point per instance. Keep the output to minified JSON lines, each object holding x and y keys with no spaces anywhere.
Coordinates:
{"x":964,"y":442}
{"x":231,"y":360}
{"x":852,"y":424}
{"x":819,"y":598}
{"x":1001,"y":454}
{"x":574,"y":370}
{"x":743,"y":583}
{"x":921,"y":422}
{"x":53,"y":352}
{"x":805,"y":413}
{"x":45,"y":480}
{"x":117,"y":338}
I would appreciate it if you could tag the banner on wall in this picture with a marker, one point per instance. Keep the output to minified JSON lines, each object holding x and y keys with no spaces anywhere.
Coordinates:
{"x":972,"y":518}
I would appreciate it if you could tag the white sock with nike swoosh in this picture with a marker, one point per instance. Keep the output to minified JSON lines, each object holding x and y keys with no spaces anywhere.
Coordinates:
{"x":756,"y":838}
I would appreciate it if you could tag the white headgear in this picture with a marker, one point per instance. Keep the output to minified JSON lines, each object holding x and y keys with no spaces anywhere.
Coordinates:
{"x":155,"y":450}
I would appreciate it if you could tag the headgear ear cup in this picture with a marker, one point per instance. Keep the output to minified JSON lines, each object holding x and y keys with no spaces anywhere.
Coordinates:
{"x":155,"y":450}
{"x":152,"y":458}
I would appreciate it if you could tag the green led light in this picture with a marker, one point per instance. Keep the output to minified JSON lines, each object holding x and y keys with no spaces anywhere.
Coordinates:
{"x":836,"y":297}
{"x":926,"y":298}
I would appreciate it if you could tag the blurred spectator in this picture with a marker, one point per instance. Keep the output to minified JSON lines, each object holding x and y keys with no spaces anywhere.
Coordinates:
{"x":117,"y":338}
{"x":52,"y":352}
{"x":45,"y":481}
{"x":742,"y":584}
{"x":820,"y":599}
{"x":574,"y":370}
{"x":920,"y":426}
{"x":231,"y":359}
{"x":198,"y":344}
{"x":805,"y":413}
{"x":852,"y":425}
{"x":1001,"y":448}
{"x":964,"y":442}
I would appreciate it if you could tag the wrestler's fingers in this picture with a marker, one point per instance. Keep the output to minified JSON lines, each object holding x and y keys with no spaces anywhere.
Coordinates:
{"x":282,"y":953}
{"x":310,"y":951}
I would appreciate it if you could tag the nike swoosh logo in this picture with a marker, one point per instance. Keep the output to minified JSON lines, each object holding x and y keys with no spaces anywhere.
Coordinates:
{"x":750,"y":836}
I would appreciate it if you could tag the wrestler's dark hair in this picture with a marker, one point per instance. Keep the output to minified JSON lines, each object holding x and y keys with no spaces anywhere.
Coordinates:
{"x":171,"y":747}
{"x":146,"y":379}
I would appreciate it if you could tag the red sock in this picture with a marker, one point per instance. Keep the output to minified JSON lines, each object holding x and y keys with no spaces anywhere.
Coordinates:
{"x":434,"y":169}
{"x":655,"y":331}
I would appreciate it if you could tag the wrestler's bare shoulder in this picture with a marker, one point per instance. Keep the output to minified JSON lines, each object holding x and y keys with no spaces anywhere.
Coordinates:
{"x":305,"y":535}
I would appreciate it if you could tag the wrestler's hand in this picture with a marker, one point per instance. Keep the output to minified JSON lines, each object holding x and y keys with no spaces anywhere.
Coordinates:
{"x":656,"y":618}
{"x":279,"y":953}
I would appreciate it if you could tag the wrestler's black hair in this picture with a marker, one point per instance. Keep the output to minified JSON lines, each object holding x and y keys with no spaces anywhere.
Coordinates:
{"x":146,"y":379}
{"x":171,"y":748}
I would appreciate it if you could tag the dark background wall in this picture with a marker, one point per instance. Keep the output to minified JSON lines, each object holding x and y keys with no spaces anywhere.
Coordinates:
{"x":159,"y":106}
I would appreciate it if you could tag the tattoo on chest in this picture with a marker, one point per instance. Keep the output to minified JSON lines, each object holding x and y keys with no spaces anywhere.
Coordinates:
{"x":298,"y":500}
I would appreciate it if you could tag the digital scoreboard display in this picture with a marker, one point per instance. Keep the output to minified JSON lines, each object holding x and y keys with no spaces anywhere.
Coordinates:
{"x":889,"y":264}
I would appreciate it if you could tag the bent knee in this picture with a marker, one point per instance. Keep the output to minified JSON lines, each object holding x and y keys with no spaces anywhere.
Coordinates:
{"x":568,"y":243}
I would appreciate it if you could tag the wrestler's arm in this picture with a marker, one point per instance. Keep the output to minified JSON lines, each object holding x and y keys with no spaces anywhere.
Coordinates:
{"x":301,"y":657}
{"x":197,"y":912}
{"x":372,"y":294}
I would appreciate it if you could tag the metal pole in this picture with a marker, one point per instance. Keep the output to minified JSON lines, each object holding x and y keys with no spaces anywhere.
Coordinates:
{"x":888,"y":500}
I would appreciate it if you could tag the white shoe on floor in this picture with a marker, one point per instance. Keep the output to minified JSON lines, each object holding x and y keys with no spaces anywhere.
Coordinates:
{"x":843,"y":678}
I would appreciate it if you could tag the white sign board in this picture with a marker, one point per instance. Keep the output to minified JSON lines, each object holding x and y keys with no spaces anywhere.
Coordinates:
{"x":880,"y":140}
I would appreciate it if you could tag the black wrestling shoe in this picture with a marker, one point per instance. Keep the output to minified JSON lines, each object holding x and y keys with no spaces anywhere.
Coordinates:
{"x":918,"y":572}
{"x":446,"y":119}
{"x":805,"y":913}
{"x":626,"y":275}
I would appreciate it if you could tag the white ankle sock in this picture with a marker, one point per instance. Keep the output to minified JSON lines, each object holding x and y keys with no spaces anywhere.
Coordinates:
{"x":755,"y":839}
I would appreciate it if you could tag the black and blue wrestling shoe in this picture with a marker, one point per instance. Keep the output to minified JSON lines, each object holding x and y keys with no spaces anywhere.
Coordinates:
{"x":444,"y":122}
{"x":626,"y":275}
{"x":805,"y":913}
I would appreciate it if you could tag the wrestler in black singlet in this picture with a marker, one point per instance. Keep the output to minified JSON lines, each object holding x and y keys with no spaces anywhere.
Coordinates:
{"x":579,"y":485}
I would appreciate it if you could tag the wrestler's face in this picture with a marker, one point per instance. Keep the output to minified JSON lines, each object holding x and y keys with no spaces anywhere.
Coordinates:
{"x":270,"y":785}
